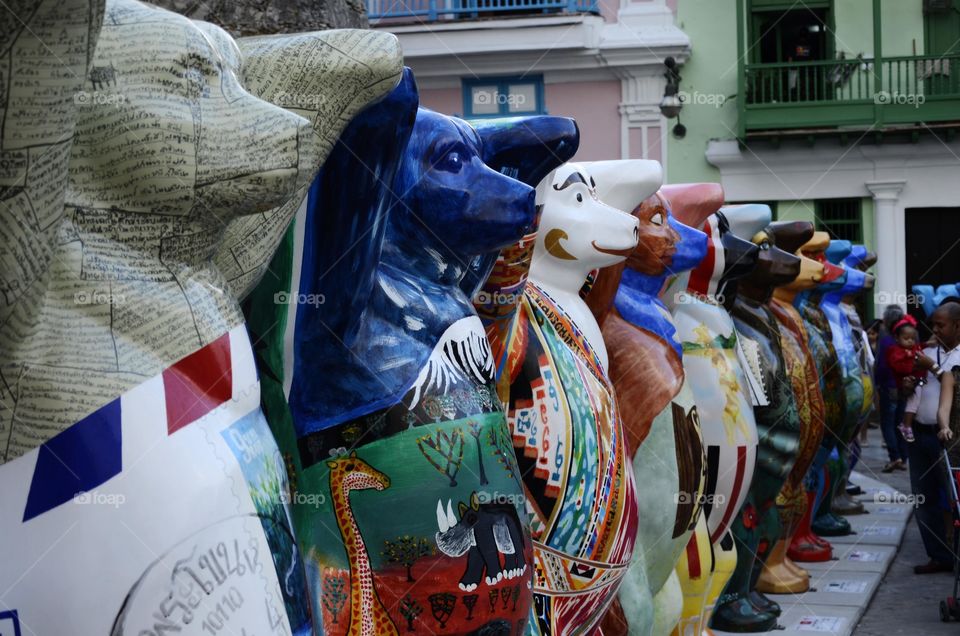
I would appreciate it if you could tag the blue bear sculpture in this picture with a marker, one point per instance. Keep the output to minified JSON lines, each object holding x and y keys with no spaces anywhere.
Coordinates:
{"x":389,"y":375}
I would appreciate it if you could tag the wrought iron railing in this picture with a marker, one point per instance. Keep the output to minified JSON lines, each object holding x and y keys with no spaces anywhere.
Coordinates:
{"x":851,"y":92}
{"x":432,"y":10}
{"x":853,"y":80}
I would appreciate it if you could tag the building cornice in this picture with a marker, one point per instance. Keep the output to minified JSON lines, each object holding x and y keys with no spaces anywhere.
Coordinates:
{"x":582,"y":47}
{"x":828,"y":170}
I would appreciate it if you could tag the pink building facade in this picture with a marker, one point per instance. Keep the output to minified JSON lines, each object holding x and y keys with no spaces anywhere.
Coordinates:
{"x":598,"y":61}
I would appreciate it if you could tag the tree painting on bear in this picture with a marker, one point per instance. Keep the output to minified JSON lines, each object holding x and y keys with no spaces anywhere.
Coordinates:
{"x":406,"y":550}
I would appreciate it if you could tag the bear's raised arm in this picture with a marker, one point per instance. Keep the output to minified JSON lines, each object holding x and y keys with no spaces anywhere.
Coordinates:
{"x":347,"y":215}
{"x":327,"y":77}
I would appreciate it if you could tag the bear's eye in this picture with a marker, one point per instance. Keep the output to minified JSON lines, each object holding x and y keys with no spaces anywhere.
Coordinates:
{"x":451,"y":162}
{"x":657,"y":219}
{"x":579,"y":198}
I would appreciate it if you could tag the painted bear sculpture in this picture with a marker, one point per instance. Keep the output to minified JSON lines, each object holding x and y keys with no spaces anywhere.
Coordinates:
{"x":713,"y":368}
{"x":660,"y":416}
{"x":863,"y":259}
{"x":803,"y":545}
{"x":551,"y":365}
{"x":392,"y":363}
{"x":756,"y":529}
{"x":128,"y":366}
{"x":484,"y":532}
{"x":829,"y":370}
{"x":843,"y":395}
{"x":930,"y":298}
{"x":848,"y":344}
{"x":780,"y":575}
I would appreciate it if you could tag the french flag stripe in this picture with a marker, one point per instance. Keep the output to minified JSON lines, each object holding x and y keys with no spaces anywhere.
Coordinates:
{"x":76,"y":460}
{"x":198,"y":383}
{"x":91,"y":451}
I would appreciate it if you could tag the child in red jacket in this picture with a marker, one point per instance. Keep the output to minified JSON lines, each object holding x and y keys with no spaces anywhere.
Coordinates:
{"x":902,"y":360}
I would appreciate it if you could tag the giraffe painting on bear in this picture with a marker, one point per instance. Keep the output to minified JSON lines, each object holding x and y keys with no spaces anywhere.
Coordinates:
{"x":368,"y":616}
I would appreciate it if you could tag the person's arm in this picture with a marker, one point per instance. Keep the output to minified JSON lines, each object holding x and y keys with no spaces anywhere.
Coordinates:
{"x":945,"y":434}
{"x":925,"y":362}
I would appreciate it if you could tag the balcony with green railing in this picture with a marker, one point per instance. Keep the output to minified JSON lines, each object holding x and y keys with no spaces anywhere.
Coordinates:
{"x":854,"y":93}
{"x":382,"y":12}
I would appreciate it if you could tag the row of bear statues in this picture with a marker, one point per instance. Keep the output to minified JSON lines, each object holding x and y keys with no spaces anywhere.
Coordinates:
{"x":283,"y":352}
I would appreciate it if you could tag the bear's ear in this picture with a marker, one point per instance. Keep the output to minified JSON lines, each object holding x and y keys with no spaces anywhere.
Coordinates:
{"x":528,"y":148}
{"x":746,"y":219}
{"x":693,"y":203}
{"x":474,"y":501}
{"x":462,"y":509}
{"x":838,"y":250}
{"x":624,"y":183}
{"x":790,"y":236}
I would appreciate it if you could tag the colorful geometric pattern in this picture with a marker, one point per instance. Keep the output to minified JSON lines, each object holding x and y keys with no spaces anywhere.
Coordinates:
{"x":568,"y":438}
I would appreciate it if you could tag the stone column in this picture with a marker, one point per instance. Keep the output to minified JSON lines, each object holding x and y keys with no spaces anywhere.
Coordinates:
{"x":889,"y":227}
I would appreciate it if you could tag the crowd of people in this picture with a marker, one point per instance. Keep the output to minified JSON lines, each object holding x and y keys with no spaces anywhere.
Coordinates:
{"x":914,"y":383}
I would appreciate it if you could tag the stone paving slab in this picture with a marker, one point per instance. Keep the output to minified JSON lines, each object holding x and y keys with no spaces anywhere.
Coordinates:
{"x":822,"y":619}
{"x":812,"y":619}
{"x":836,"y":587}
{"x":861,"y":557}
{"x":873,"y":530}
{"x":841,"y":588}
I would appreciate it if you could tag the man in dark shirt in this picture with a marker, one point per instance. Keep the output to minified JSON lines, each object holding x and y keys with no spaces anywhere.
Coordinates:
{"x":891,"y":404}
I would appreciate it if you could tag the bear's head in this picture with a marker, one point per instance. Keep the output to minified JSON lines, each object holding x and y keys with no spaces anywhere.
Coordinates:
{"x":792,"y":236}
{"x":729,"y":258}
{"x":450,"y":203}
{"x":168,"y":127}
{"x":775,"y":266}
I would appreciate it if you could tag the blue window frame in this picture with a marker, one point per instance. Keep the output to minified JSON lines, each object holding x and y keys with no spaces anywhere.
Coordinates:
{"x":503,"y":96}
